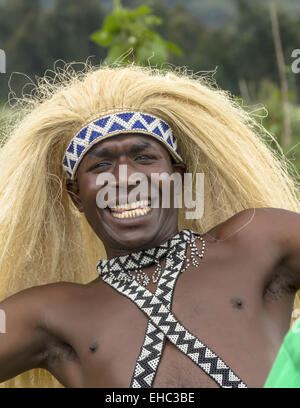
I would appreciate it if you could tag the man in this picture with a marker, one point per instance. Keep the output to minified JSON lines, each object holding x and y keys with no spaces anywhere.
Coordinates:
{"x":166,"y":307}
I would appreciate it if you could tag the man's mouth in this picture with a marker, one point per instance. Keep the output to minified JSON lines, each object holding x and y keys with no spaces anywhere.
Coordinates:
{"x":136,"y":209}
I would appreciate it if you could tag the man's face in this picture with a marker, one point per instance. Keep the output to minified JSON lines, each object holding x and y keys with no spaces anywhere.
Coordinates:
{"x":123,"y":228}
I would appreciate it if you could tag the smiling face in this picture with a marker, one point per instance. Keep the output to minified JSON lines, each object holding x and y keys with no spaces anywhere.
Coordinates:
{"x":123,"y":230}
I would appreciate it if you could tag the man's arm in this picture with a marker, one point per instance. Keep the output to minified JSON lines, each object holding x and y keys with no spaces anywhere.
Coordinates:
{"x":285,"y":230}
{"x":23,"y":345}
{"x":275,"y":230}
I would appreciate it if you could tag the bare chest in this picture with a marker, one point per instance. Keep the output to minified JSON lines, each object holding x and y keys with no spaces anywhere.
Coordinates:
{"x":221,"y":305}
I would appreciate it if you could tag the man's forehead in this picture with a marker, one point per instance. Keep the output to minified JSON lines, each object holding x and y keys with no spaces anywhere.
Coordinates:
{"x":136,"y":143}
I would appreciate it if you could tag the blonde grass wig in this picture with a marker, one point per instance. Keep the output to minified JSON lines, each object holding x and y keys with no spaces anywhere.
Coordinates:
{"x":44,"y":239}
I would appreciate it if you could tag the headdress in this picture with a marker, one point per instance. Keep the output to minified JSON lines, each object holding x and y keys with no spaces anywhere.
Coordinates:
{"x":115,"y":124}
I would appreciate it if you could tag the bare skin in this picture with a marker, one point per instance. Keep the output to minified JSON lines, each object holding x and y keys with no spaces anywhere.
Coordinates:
{"x":238,"y":301}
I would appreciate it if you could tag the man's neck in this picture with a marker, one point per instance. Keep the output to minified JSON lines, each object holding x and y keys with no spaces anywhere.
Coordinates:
{"x":155,"y":242}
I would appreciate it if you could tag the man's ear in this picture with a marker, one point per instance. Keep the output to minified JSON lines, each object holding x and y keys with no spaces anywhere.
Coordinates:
{"x":73,"y":190}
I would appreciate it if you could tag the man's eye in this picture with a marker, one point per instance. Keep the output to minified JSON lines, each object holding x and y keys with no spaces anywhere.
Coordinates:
{"x":101,"y":164}
{"x":144,"y":157}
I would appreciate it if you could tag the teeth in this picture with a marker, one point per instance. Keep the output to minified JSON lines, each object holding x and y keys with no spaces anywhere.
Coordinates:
{"x":131,"y":213}
{"x":135,"y":205}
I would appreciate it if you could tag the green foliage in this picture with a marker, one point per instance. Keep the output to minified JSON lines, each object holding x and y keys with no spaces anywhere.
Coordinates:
{"x":125,"y":30}
{"x":2,"y":124}
{"x":233,"y":36}
{"x":4,"y":118}
{"x":270,"y":96}
{"x":34,"y":38}
{"x":271,"y":117}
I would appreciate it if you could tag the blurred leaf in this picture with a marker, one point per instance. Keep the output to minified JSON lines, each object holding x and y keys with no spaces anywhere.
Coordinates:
{"x":113,"y":22}
{"x":141,"y":10}
{"x":116,"y":51}
{"x":174,"y":48}
{"x":153,"y":20}
{"x":102,"y":37}
{"x":126,"y":29}
{"x":154,"y":52}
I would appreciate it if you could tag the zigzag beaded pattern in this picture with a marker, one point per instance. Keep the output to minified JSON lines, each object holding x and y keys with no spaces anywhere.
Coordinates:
{"x":186,"y":342}
{"x":115,"y":267}
{"x":163,"y":319}
{"x":151,"y":351}
{"x":114,"y":124}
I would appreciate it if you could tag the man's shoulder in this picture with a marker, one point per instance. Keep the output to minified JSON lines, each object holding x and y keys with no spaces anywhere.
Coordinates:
{"x":46,"y":294}
{"x":251,"y":223}
{"x":261,"y":238}
{"x":61,"y":290}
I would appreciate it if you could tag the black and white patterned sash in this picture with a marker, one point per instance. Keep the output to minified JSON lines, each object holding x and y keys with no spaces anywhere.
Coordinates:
{"x":154,"y":341}
{"x":163,"y":325}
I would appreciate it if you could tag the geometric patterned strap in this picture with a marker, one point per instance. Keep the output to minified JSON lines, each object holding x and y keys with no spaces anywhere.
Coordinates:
{"x":162,"y":318}
{"x":115,"y":267}
{"x":154,"y":341}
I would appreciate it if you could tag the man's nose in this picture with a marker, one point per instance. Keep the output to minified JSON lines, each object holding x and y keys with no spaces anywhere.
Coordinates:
{"x":131,"y":185}
{"x":126,"y":175}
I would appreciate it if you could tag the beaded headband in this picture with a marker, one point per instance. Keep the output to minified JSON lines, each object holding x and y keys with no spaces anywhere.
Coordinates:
{"x":115,"y":124}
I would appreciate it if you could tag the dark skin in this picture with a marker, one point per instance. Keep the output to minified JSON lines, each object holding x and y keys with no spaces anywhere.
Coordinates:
{"x":238,"y":301}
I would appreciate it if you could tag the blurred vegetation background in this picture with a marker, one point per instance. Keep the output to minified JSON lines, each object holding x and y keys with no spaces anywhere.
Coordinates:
{"x":248,"y":42}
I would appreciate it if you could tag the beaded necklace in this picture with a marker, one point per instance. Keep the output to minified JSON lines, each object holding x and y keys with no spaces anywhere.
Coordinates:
{"x":128,"y":267}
